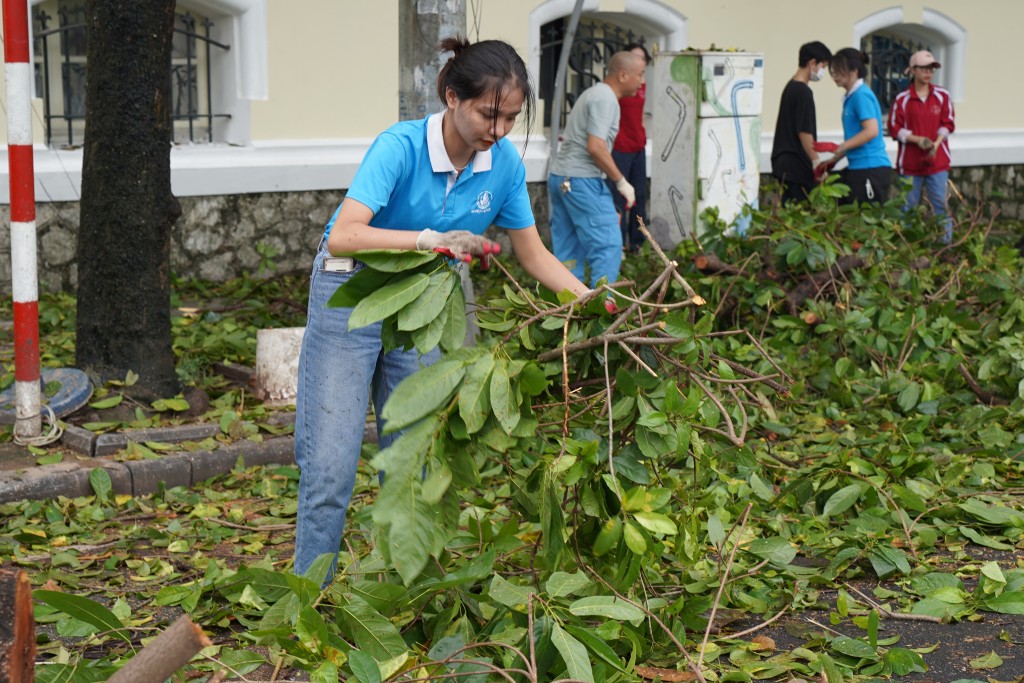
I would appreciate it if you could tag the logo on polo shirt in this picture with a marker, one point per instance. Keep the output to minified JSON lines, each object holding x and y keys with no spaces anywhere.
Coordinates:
{"x":483,"y":202}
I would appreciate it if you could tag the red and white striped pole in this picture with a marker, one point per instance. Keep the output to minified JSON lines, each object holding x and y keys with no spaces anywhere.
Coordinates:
{"x":28,"y":421}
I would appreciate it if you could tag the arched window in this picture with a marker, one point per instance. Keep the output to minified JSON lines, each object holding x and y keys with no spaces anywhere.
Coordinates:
{"x":648,"y":21}
{"x":595,"y":42}
{"x":890,"y":39}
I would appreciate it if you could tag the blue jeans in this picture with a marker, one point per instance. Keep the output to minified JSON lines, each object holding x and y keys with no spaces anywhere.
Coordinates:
{"x":934,"y":186}
{"x":585,"y":227}
{"x":338,"y":371}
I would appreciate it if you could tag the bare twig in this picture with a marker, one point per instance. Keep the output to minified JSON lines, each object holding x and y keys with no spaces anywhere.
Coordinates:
{"x":724,"y":580}
{"x":899,"y":616}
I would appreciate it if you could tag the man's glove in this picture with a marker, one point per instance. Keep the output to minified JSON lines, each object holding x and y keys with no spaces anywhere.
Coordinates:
{"x":822,"y":168}
{"x":823,"y":146}
{"x":627,"y":191}
{"x":461,"y":245}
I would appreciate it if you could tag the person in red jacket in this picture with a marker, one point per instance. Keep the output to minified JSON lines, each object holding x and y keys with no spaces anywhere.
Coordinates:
{"x":630,"y":155}
{"x":921,"y":120}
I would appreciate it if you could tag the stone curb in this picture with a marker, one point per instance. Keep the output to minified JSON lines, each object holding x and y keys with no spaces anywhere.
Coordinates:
{"x":141,"y":477}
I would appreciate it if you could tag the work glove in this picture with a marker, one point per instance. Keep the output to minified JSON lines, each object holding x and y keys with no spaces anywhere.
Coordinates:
{"x":460,"y":245}
{"x":823,"y":146}
{"x":627,"y":191}
{"x":823,"y":167}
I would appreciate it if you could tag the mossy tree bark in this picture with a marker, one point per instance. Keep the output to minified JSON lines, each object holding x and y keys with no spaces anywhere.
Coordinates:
{"x":127,"y":209}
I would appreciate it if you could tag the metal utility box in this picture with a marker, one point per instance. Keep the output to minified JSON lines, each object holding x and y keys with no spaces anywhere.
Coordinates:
{"x":706,"y":138}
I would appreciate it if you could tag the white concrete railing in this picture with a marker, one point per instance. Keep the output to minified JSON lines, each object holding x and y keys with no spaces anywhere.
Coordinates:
{"x":298,"y":166}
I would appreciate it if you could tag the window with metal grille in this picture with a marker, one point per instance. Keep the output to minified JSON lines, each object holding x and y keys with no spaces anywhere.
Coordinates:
{"x":60,"y":40}
{"x":595,"y":42}
{"x":889,"y":56}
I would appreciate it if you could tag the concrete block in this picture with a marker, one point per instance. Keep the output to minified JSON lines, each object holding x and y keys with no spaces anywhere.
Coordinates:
{"x":67,"y":479}
{"x":209,"y":464}
{"x":80,"y":440}
{"x":147,"y":475}
{"x":108,"y":444}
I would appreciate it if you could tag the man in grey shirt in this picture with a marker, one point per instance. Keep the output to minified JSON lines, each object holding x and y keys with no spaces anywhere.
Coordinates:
{"x":584,"y":225}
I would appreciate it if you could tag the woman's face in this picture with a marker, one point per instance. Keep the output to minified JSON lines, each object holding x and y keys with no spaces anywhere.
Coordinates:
{"x":477,"y":121}
{"x":844,"y":79}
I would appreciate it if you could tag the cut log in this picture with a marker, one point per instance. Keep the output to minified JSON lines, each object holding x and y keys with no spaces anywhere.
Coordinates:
{"x":818,"y":282}
{"x":167,"y":653}
{"x":709,"y":264}
{"x":17,"y":628}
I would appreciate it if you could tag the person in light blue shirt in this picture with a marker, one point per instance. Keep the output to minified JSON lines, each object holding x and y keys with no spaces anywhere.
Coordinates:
{"x":434,"y":184}
{"x":869,"y":173}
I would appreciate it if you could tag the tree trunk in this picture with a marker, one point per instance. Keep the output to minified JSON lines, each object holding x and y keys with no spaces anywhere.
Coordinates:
{"x":127,"y":208}
{"x":17,"y":628}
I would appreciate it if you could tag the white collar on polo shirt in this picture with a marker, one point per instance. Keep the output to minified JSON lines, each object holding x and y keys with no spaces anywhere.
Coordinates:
{"x":439,"y":160}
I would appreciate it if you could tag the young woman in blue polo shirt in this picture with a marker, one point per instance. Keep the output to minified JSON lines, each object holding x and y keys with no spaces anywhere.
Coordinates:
{"x":436,"y":183}
{"x":870,"y":172}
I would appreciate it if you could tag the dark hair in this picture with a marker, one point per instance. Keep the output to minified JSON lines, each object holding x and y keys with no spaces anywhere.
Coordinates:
{"x":638,"y":46}
{"x":815,"y":50}
{"x":850,"y":59}
{"x":485,"y":68}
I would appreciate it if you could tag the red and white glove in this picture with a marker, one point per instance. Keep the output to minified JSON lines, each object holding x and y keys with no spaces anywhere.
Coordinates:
{"x":824,"y":146}
{"x":461,"y":245}
{"x":627,"y":191}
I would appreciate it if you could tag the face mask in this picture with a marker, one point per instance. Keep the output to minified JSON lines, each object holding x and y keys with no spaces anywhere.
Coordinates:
{"x":818,"y":75}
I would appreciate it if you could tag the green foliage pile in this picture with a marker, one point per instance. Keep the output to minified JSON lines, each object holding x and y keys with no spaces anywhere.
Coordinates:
{"x":589,"y":496}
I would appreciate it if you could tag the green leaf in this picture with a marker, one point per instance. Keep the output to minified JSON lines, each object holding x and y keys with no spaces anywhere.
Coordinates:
{"x":372,"y":632}
{"x":101,"y":484}
{"x":983,"y":540}
{"x":775,"y":549}
{"x":176,"y":404}
{"x":51,"y":459}
{"x":635,"y":540}
{"x":393,"y":260}
{"x":364,"y":667}
{"x":422,"y":393}
{"x":475,"y":394}
{"x":853,"y":647}
{"x":311,"y":630}
{"x":596,"y":646}
{"x":842,"y":500}
{"x":327,"y":672}
{"x":607,"y":606}
{"x":902,"y":661}
{"x":241,"y":661}
{"x":989,"y":661}
{"x":503,"y":401}
{"x":387,"y":300}
{"x":656,"y":522}
{"x":430,"y":304}
{"x":84,"y":609}
{"x":1006,"y":603}
{"x":909,"y":396}
{"x":561,"y":584}
{"x":508,"y":594}
{"x":574,"y":654}
{"x":358,"y":287}
{"x":453,"y":334}
{"x":108,"y":402}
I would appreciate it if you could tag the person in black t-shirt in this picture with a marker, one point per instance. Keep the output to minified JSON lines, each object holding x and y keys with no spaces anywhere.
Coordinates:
{"x":795,"y":149}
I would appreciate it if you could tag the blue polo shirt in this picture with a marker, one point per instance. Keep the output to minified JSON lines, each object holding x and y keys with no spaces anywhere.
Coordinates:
{"x":859,"y":105}
{"x":408,"y":181}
